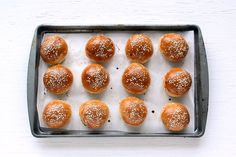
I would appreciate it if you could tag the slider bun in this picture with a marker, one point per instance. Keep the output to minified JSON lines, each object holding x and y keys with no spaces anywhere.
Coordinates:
{"x":136,"y":79}
{"x":53,"y":49}
{"x":94,"y":113}
{"x":173,"y":47}
{"x":177,"y":82}
{"x":57,"y":114}
{"x":100,"y":48}
{"x":133,"y":111}
{"x":175,"y":116}
{"x":58,"y":79}
{"x":95,"y":78}
{"x":139,"y":48}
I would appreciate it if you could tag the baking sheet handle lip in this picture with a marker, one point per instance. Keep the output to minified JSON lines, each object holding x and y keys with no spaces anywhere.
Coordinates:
{"x":204,"y":77}
{"x":162,"y":27}
{"x":42,"y":134}
{"x":32,"y":88}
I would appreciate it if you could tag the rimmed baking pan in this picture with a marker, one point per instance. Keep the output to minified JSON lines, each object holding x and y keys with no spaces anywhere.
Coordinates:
{"x":200,"y":81}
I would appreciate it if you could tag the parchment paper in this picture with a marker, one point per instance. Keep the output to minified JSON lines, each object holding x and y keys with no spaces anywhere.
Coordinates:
{"x":155,"y":98}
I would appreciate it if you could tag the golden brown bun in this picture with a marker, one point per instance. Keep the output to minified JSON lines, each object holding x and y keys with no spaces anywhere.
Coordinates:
{"x":94,"y":113}
{"x":173,"y":47}
{"x":175,"y":116}
{"x":100,"y":48}
{"x":58,"y":79}
{"x":57,"y":114}
{"x":53,"y":49}
{"x":177,"y":82}
{"x":133,"y":111}
{"x":139,"y":48}
{"x":136,"y":79}
{"x":95,"y":78}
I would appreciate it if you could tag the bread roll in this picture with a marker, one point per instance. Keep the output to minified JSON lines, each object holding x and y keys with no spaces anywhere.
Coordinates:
{"x":139,"y":48}
{"x":94,"y":113}
{"x":177,"y":82}
{"x":53,"y":49}
{"x":100,"y":48}
{"x":173,"y":47}
{"x":133,"y":111}
{"x":175,"y":116}
{"x":95,"y":78}
{"x":136,"y":79}
{"x":57,"y":114}
{"x":58,"y":79}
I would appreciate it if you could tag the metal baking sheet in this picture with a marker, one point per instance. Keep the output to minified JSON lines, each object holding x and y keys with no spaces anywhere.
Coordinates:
{"x":36,"y":97}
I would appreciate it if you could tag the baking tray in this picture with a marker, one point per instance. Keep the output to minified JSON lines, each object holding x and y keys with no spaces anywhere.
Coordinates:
{"x":201,"y":82}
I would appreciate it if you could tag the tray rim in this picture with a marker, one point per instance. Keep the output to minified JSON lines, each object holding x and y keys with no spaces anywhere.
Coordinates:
{"x":203,"y":78}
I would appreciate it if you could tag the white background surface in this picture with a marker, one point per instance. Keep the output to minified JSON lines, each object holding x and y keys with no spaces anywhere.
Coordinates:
{"x":217,"y":20}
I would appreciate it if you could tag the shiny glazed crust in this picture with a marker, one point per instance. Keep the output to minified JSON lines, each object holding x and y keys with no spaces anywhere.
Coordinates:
{"x":173,"y":47}
{"x":175,"y":116}
{"x":94,"y":113}
{"x":136,"y":79}
{"x":133,"y":111}
{"x":57,"y":114}
{"x":100,"y":48}
{"x":95,"y":78}
{"x":177,"y":82}
{"x":139,"y":48}
{"x":58,"y":79}
{"x":53,"y":50}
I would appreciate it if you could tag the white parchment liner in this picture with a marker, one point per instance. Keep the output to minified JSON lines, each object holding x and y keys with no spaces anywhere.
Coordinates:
{"x":155,"y":98}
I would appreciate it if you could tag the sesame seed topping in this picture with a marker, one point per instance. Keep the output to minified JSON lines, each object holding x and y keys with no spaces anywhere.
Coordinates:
{"x":179,"y":82}
{"x":134,"y":110}
{"x":94,"y":113}
{"x":177,"y":119}
{"x":101,"y":46}
{"x":136,"y":77}
{"x":140,"y":45}
{"x":137,"y":112}
{"x":56,"y":79}
{"x":95,"y":77}
{"x":175,"y":46}
{"x":52,"y":47}
{"x":56,"y":114}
